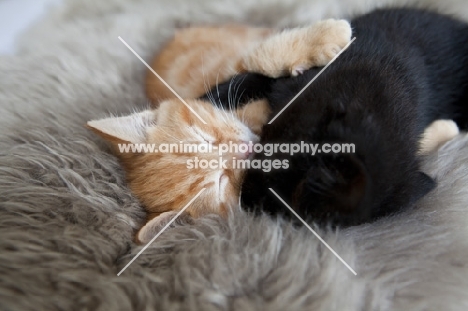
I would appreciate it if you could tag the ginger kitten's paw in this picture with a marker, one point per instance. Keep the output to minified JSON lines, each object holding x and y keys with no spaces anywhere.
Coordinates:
{"x":437,"y":134}
{"x":327,"y":39}
{"x":293,"y":51}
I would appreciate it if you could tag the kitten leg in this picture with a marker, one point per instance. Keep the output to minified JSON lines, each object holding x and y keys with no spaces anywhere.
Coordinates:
{"x":293,"y":51}
{"x":152,"y":227}
{"x":436,"y":134}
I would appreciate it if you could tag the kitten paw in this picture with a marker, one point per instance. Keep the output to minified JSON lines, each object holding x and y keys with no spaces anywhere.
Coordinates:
{"x":293,"y":51}
{"x":436,"y":134}
{"x":319,"y":44}
{"x":327,"y":39}
{"x":298,"y":70}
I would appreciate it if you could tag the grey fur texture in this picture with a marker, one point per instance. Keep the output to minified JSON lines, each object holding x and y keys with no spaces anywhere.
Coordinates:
{"x":67,"y":218}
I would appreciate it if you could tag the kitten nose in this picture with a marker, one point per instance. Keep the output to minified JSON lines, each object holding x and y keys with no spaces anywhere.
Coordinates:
{"x":244,"y":150}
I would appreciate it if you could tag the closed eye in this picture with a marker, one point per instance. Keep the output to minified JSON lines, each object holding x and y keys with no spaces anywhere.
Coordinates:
{"x":203,"y":136}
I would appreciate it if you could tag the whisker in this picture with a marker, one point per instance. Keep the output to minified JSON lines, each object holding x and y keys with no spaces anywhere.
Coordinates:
{"x":242,"y":93}
{"x":236,"y":87}
{"x":220,"y":103}
{"x":208,"y":90}
{"x":229,"y":95}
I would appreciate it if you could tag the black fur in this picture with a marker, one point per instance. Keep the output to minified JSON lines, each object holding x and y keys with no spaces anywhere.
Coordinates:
{"x":406,"y":69}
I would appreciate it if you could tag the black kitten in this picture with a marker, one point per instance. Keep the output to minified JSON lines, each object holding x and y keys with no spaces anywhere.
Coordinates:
{"x":406,"y":69}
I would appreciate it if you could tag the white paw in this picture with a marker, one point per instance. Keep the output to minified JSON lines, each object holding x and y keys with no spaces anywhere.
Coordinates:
{"x":436,"y":134}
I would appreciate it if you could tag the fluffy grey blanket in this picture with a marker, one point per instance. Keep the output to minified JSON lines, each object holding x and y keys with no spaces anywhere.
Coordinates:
{"x":67,"y":218}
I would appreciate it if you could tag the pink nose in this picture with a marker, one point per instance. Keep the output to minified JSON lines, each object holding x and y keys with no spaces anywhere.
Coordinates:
{"x":244,"y":150}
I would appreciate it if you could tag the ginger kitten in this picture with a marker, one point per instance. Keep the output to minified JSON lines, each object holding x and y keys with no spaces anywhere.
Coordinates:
{"x":164,"y":181}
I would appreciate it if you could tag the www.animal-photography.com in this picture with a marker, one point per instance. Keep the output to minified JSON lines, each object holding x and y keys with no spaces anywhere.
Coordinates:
{"x":234,"y":155}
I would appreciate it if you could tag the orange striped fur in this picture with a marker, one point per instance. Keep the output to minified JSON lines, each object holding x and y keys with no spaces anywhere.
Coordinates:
{"x":196,"y":59}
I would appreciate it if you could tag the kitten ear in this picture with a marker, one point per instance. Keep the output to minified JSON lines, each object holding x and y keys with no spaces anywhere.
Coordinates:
{"x":129,"y":129}
{"x":255,"y":115}
{"x":425,"y":185}
{"x":155,"y":225}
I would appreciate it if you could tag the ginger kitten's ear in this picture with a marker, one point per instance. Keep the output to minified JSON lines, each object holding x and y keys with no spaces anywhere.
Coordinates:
{"x":154,"y":226}
{"x":129,"y":129}
{"x":255,"y":115}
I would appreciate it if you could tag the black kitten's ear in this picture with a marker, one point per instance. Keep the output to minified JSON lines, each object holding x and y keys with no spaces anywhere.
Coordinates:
{"x":425,"y":184}
{"x":336,"y":189}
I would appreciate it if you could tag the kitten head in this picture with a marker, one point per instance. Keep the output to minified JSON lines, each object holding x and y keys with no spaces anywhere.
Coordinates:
{"x":168,"y":179}
{"x":381,"y":177}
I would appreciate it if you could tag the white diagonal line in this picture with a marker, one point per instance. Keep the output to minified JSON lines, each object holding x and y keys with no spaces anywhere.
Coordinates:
{"x":312,"y":230}
{"x":159,"y":77}
{"x":308,"y":84}
{"x":161,"y":231}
